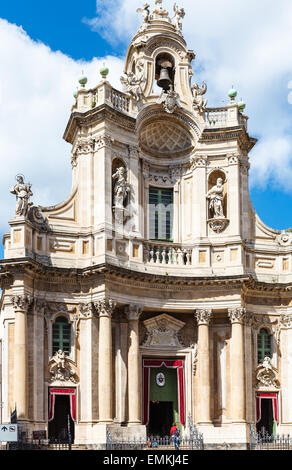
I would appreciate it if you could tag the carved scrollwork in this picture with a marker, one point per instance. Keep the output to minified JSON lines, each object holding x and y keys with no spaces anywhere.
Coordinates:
{"x":203,"y":316}
{"x":21,"y":302}
{"x":237,"y":314}
{"x":62,"y":369}
{"x":105,"y":307}
{"x":267,"y":376}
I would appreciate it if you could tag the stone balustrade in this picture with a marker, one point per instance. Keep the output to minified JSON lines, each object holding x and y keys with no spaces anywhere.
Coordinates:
{"x":104,"y":93}
{"x":167,"y":254}
{"x":215,"y":117}
{"x":228,"y":116}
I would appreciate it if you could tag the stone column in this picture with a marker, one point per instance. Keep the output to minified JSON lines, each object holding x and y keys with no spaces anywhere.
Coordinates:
{"x":203,"y":317}
{"x":21,"y":305}
{"x":134,"y":389}
{"x":38,"y":360}
{"x":105,"y":310}
{"x":237,"y":316}
{"x":88,"y":363}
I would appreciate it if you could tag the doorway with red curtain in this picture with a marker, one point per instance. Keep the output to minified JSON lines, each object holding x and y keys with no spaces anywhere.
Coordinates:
{"x":165,"y":374}
{"x":62,"y":414}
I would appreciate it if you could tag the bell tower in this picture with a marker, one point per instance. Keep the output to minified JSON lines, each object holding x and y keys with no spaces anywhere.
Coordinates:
{"x":158,"y":60}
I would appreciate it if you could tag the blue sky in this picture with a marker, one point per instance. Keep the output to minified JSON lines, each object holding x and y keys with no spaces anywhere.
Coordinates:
{"x":45,"y":46}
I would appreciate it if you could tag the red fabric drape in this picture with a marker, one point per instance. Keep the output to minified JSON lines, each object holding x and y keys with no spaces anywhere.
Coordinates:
{"x":62,"y":391}
{"x":177,"y":364}
{"x":274,"y":398}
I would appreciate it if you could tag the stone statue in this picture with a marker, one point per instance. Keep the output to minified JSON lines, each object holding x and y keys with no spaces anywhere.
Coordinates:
{"x":23,"y":193}
{"x":199,"y":102}
{"x":179,"y":14}
{"x":145,"y":12}
{"x":133,"y":84}
{"x":215,"y":195}
{"x":121,"y":188}
{"x":158,"y":3}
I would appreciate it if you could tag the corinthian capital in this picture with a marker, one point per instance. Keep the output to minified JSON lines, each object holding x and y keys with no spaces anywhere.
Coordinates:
{"x":105,"y":307}
{"x":133,"y":312}
{"x":86,"y":310}
{"x":237,"y":314}
{"x":21,"y":303}
{"x":203,"y":316}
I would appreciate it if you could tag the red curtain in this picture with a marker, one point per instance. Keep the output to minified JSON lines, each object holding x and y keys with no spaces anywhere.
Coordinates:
{"x":62,"y":391}
{"x":179,"y":366}
{"x":274,"y":398}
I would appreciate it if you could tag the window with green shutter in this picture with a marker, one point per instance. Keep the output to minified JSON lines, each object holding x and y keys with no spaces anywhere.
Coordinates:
{"x":264,"y":344}
{"x":61,"y":335}
{"x":160,"y":214}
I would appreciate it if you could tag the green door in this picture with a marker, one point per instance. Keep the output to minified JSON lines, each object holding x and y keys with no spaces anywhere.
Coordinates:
{"x":163,"y":400}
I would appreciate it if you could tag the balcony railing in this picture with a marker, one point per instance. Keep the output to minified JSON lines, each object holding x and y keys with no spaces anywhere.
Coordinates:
{"x":157,"y":253}
{"x":216,"y":117}
{"x":229,"y":116}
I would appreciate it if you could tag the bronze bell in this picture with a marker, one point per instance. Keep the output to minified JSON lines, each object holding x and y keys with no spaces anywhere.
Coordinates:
{"x":164,"y":80}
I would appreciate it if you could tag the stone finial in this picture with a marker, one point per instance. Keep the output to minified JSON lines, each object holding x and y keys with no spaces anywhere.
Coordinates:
{"x":203,"y":316}
{"x":83,"y":80}
{"x":104,"y":71}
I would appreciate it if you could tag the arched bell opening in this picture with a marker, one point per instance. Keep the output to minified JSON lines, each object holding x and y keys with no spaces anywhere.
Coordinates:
{"x":164,"y":71}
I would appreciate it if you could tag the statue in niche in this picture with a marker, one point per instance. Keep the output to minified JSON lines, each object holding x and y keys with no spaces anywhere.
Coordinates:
{"x":179,"y":14}
{"x":121,"y":188}
{"x":145,"y":12}
{"x":23,"y":193}
{"x":215,"y":196}
{"x":199,"y":102}
{"x":133,"y":84}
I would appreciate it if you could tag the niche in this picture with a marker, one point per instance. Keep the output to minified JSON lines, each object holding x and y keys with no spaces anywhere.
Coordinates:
{"x":164,"y":71}
{"x":217,"y":195}
{"x":120,"y":190}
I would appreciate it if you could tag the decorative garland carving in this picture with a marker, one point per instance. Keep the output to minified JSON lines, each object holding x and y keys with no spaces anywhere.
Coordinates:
{"x":267,"y":376}
{"x":62,"y":369}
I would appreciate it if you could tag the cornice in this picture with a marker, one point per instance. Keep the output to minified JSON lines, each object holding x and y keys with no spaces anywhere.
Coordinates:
{"x":229,"y":133}
{"x":247,"y":283}
{"x":100,"y":113}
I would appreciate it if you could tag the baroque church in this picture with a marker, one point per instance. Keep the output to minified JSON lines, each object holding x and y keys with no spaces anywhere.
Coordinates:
{"x":154,"y":293}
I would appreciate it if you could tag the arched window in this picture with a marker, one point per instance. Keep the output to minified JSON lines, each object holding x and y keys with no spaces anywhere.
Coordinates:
{"x":264,"y":344}
{"x":62,"y":335}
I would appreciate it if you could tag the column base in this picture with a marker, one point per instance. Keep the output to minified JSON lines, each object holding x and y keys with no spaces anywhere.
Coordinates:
{"x":134,"y":423}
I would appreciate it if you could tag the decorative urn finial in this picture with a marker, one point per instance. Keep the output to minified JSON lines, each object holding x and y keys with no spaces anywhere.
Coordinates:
{"x":104,"y":71}
{"x":83,"y":80}
{"x":232,"y":94}
{"x":241,"y":105}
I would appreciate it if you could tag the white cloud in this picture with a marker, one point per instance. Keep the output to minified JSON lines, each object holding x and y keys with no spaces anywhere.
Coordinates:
{"x":36,"y":95}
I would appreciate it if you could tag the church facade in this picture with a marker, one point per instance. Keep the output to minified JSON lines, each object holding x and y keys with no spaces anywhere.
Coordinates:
{"x":153,"y":293}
